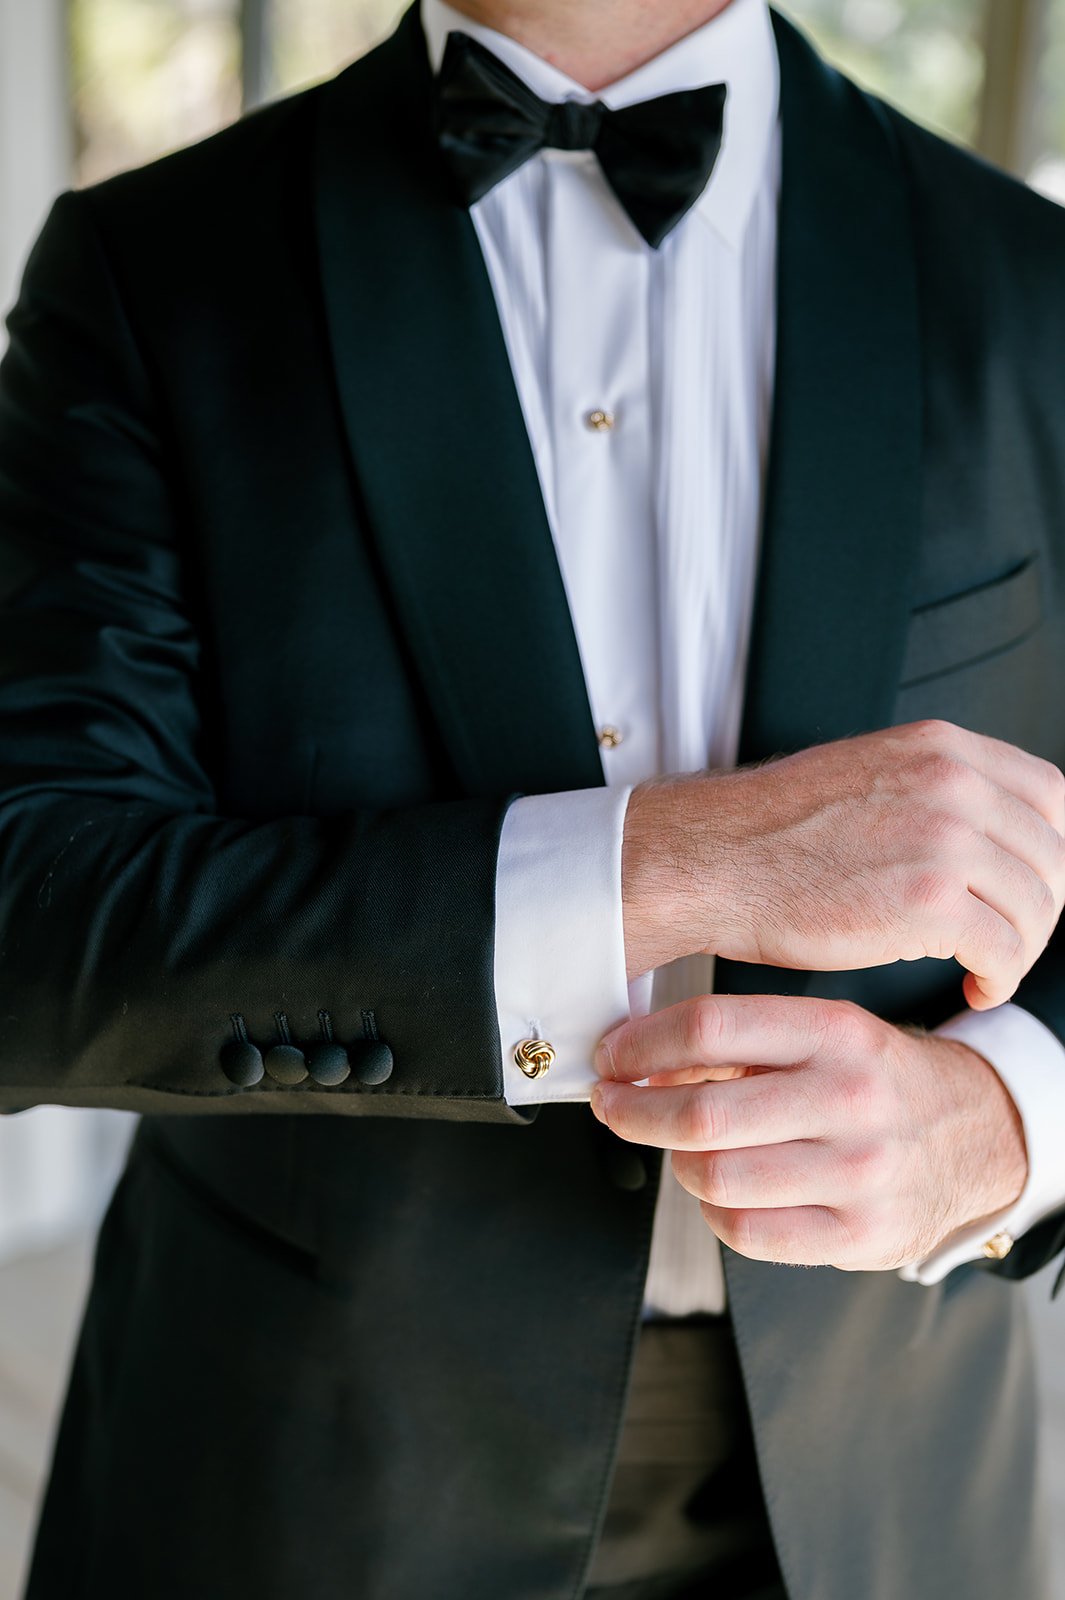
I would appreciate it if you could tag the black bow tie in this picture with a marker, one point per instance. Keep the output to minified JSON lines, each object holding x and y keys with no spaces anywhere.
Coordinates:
{"x":656,"y":156}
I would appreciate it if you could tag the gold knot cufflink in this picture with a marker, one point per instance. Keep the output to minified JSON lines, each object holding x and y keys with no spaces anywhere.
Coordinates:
{"x":534,"y":1057}
{"x":998,"y":1247}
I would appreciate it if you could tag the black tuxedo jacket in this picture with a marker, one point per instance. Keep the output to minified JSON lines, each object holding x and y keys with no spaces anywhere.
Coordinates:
{"x":283,"y":629}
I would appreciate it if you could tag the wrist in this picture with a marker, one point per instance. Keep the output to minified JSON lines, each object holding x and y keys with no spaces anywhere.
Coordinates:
{"x":997,"y":1169}
{"x":659,"y":879}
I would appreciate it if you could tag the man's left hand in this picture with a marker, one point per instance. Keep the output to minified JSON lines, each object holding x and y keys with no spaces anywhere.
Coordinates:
{"x":814,"y":1132}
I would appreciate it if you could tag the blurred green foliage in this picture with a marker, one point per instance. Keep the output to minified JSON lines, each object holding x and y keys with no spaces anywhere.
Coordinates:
{"x":925,"y":56}
{"x":312,"y":38}
{"x":149,"y":75}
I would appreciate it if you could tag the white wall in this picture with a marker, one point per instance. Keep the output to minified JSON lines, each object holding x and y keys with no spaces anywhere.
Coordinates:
{"x":56,"y":1166}
{"x":57,"y":1170}
{"x":35,"y":131}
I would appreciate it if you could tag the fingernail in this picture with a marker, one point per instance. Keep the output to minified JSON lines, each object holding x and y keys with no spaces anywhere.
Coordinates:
{"x":597,"y":1102}
{"x":604,"y":1057}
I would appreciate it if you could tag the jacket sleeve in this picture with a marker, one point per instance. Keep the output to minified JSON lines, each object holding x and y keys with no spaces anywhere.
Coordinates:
{"x":152,"y":951}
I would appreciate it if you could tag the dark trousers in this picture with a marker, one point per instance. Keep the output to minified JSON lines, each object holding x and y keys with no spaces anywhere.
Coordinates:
{"x":686,"y":1518}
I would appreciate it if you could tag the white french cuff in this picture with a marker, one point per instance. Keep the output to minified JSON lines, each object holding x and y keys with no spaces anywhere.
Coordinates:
{"x":560,"y":938}
{"x":1030,"y":1060}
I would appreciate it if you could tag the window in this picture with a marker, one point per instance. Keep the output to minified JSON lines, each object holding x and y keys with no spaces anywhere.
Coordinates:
{"x":925,"y":56}
{"x":148,"y":76}
{"x":151,"y":75}
{"x":1047,"y":170}
{"x":312,"y":38}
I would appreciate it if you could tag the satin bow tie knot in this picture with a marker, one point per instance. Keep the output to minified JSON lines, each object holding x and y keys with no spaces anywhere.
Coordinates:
{"x":573,"y":126}
{"x":657,"y":156}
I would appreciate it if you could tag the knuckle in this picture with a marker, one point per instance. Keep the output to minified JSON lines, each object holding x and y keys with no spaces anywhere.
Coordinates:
{"x":794,"y":1240}
{"x":850,"y":1026}
{"x":859,"y":1236}
{"x":952,"y":836}
{"x":934,"y":893}
{"x":1045,"y":904}
{"x":947,"y":778}
{"x":1057,"y":852}
{"x":706,"y":1027}
{"x":736,"y":1231}
{"x":934,"y":730}
{"x":627,"y":1055}
{"x":714,"y":1184}
{"x":935,"y":745}
{"x":707,"y":1121}
{"x":1054,"y":779}
{"x":846,"y":1041}
{"x":856,"y":1226}
{"x":871,"y":1168}
{"x":841,"y":1024}
{"x":1008,"y":945}
{"x":860,"y":1099}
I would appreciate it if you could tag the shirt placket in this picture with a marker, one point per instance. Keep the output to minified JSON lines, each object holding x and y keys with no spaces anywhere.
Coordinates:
{"x":599,"y":406}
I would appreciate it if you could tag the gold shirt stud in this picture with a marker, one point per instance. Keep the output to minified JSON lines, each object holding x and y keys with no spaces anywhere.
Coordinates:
{"x":600,"y":421}
{"x":609,"y":737}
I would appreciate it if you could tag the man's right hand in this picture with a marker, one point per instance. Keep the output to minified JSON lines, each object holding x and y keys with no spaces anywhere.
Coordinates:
{"x":917,"y":841}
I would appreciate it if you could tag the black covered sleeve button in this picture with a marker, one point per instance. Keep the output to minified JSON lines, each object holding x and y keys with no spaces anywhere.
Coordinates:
{"x":242,"y":1063}
{"x":286,"y":1064}
{"x":372,"y":1062}
{"x":328,"y":1064}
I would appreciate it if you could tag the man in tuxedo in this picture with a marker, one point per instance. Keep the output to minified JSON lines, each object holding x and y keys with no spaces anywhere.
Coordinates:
{"x":391,"y":488}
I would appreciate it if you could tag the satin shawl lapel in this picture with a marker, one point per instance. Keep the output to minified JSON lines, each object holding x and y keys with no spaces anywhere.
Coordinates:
{"x":844,"y":490}
{"x":438,"y":440}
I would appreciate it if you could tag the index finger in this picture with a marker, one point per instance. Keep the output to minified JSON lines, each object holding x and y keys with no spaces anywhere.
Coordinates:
{"x":727,"y":1030}
{"x":771,"y":1108}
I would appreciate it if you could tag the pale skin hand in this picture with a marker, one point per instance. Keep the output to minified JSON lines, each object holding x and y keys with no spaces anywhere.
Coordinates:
{"x":813,"y":1132}
{"x":924,"y":840}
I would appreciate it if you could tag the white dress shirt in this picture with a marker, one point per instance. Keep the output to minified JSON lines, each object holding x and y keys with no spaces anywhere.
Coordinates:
{"x":655,"y":515}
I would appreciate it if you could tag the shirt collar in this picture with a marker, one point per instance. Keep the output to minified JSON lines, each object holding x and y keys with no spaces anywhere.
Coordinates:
{"x":736,"y":48}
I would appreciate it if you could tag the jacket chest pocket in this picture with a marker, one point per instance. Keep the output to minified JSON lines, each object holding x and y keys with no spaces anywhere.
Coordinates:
{"x":977,"y":659}
{"x":973,"y":626}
